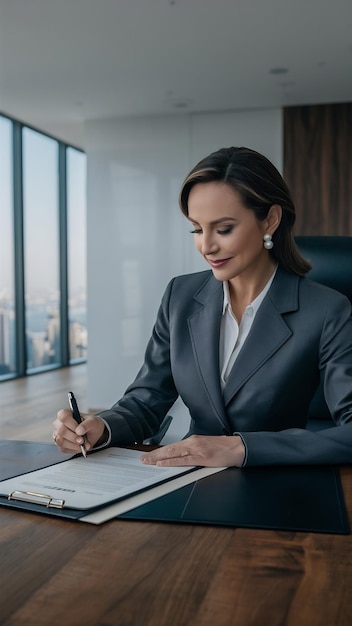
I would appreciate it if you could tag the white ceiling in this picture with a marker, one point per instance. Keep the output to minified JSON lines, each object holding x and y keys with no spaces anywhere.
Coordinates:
{"x":66,"y":61}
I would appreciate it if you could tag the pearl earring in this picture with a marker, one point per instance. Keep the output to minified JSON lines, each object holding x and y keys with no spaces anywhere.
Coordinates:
{"x":268,"y":244}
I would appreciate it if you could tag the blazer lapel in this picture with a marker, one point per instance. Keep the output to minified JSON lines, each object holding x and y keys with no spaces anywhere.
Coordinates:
{"x":268,"y":333}
{"x":204,"y":328}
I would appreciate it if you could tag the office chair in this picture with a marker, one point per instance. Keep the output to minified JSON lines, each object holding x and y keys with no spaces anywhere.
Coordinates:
{"x":156,"y":439}
{"x":331,"y":258}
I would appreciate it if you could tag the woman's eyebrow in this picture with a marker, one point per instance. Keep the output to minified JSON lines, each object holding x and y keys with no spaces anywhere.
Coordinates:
{"x":214,"y":222}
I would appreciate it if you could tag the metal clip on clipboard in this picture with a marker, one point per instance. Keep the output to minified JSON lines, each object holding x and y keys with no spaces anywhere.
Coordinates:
{"x":36,"y":498}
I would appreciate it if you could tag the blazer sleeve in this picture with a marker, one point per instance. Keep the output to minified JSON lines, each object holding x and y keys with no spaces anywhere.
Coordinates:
{"x":139,"y":413}
{"x":296,"y":446}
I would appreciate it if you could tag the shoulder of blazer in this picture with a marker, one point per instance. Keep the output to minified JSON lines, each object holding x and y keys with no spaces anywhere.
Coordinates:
{"x":199,"y":285}
{"x":289,"y":292}
{"x":285,"y":293}
{"x":204,"y":288}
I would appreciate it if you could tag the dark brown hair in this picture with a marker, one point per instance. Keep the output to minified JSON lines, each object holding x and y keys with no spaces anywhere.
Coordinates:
{"x":259,"y":185}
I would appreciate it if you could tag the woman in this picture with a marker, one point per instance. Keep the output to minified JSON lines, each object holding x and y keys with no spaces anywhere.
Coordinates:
{"x":244,"y":344}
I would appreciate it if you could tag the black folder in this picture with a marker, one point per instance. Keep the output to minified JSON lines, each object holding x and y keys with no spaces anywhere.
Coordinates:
{"x":300,"y":498}
{"x":308,"y":499}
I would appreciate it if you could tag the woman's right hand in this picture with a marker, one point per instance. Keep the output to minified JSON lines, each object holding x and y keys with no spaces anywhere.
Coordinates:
{"x":69,"y":436}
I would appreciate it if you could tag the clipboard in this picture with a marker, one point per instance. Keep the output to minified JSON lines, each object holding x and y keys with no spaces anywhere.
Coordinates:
{"x":300,"y":498}
{"x":76,"y":487}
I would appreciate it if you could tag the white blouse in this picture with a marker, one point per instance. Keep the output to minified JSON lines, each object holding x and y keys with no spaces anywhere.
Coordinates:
{"x":232,"y":334}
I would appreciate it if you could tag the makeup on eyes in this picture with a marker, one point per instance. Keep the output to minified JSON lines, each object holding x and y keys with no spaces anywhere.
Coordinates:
{"x":224,"y":230}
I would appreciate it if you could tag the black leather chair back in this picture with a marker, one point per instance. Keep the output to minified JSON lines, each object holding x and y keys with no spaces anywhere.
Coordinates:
{"x":331,"y":258}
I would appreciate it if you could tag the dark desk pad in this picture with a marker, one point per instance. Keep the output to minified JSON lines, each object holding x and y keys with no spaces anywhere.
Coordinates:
{"x":20,"y":457}
{"x":304,"y":498}
{"x":308,"y":499}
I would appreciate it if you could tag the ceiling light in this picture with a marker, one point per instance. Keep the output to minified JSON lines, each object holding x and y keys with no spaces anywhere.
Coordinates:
{"x":278,"y":70}
{"x":178,"y":103}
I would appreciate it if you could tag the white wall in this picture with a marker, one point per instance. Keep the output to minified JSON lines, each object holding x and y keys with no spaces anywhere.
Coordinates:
{"x":137,"y":236}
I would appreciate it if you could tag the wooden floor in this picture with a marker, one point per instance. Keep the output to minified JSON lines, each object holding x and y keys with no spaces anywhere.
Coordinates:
{"x":28,"y":405}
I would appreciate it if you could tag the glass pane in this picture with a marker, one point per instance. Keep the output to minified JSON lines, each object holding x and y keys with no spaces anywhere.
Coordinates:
{"x":7,"y":295}
{"x":77,"y":254}
{"x":41,"y":249}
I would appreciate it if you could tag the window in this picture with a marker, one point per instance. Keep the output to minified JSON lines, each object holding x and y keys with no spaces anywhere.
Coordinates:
{"x":76,"y":244}
{"x":41,"y":249}
{"x":42,"y":252}
{"x":7,"y":293}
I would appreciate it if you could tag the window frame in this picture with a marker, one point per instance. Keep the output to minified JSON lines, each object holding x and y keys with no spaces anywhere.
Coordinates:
{"x":21,"y":369}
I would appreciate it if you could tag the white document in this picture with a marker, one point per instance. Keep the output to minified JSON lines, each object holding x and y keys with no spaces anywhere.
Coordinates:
{"x":80,"y":483}
{"x":113,"y":510}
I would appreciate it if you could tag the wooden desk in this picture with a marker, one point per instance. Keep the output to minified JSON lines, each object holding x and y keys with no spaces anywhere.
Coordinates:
{"x":129,"y":573}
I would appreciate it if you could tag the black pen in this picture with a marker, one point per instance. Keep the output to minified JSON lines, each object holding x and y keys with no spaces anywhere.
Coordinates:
{"x":77,"y":416}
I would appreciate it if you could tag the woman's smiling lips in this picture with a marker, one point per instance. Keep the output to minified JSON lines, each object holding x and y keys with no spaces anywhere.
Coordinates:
{"x":218,"y":263}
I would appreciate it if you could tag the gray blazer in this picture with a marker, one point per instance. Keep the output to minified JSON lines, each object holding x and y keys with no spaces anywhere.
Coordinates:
{"x":301,"y":332}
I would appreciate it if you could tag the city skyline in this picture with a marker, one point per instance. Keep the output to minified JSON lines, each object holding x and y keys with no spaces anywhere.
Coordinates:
{"x":42,"y":334}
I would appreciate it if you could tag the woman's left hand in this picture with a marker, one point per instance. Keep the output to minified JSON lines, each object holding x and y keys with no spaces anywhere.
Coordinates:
{"x":200,"y":450}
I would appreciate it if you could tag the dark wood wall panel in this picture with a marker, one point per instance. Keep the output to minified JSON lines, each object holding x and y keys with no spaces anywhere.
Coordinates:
{"x":318,"y":167}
